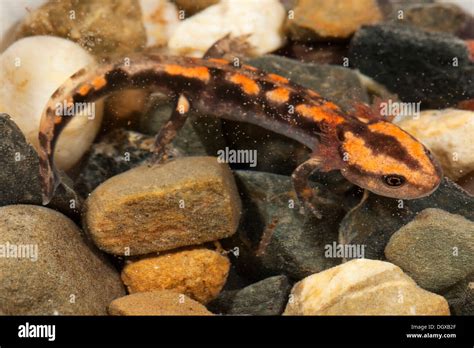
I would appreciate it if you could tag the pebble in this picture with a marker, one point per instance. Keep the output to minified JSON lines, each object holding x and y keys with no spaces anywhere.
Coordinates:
{"x":408,"y":53}
{"x":325,"y":20}
{"x":57,"y":270}
{"x":437,"y":17}
{"x":363,"y":287}
{"x":436,"y":249}
{"x":266,"y":297}
{"x":447,"y":133}
{"x":274,"y":238}
{"x":31,"y":70}
{"x":185,"y":202}
{"x":102,"y":28}
{"x":161,"y":302}
{"x":378,"y":218}
{"x":262,"y":19}
{"x":19,"y":175}
{"x":198,"y":273}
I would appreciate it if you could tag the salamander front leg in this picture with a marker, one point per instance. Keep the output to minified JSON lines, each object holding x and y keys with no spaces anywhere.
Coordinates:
{"x":306,"y":194}
{"x":169,"y":130}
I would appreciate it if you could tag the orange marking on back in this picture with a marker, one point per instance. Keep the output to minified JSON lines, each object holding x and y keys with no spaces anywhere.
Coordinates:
{"x":219,"y":61}
{"x":199,"y":72}
{"x":279,"y":95}
{"x":99,"y":82}
{"x":277,"y":78}
{"x":318,"y":114}
{"x":331,"y":106}
{"x":313,"y":93}
{"x":412,"y":146}
{"x":249,"y":67}
{"x":248,"y":85}
{"x":84,"y":89}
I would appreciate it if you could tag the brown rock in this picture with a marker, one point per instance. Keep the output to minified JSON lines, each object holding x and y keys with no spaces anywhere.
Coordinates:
{"x":161,"y":302}
{"x":46,"y":266}
{"x":110,"y":27}
{"x":363,"y":287}
{"x":185,"y":202}
{"x":321,"y":19}
{"x":198,"y":273}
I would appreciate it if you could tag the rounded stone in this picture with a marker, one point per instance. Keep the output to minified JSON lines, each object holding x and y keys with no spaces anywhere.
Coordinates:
{"x":198,"y":273}
{"x":47,"y":267}
{"x":147,"y":209}
{"x":163,"y":302}
{"x":363,"y":287}
{"x":436,"y":249}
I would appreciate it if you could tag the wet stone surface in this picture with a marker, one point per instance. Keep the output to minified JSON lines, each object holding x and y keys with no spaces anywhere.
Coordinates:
{"x":19,"y":173}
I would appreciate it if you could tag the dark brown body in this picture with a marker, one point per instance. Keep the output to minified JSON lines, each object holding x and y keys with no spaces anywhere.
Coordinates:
{"x":242,"y":93}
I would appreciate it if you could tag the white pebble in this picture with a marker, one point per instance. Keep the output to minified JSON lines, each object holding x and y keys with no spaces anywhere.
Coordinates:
{"x":263,"y":19}
{"x":31,"y":70}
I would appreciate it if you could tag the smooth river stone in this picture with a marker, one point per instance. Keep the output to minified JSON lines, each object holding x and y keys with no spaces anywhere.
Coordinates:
{"x":184,"y":202}
{"x":60,"y":272}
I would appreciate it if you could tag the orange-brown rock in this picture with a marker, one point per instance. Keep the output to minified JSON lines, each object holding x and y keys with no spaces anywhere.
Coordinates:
{"x":198,"y":273}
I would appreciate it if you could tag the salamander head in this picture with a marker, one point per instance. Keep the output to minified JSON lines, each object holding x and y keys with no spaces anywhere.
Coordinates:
{"x":388,"y":161}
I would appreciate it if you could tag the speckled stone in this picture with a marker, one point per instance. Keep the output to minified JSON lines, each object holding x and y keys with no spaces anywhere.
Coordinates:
{"x":185,"y":202}
{"x":162,"y":302}
{"x":68,"y":275}
{"x":104,"y":28}
{"x":412,"y":61}
{"x":436,"y":249}
{"x":198,"y":273}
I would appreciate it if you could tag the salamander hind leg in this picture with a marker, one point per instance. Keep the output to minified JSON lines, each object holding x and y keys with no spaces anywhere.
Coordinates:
{"x":169,"y":130}
{"x":307,"y":195}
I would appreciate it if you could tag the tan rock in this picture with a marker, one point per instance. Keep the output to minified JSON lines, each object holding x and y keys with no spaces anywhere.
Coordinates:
{"x":47,"y":267}
{"x":363,"y":287}
{"x":112,"y":27}
{"x":323,"y":19}
{"x":198,"y":273}
{"x":448,"y":134}
{"x":185,"y":202}
{"x":161,"y":302}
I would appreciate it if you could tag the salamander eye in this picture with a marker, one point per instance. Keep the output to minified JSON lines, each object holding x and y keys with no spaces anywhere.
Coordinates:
{"x":394,"y":180}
